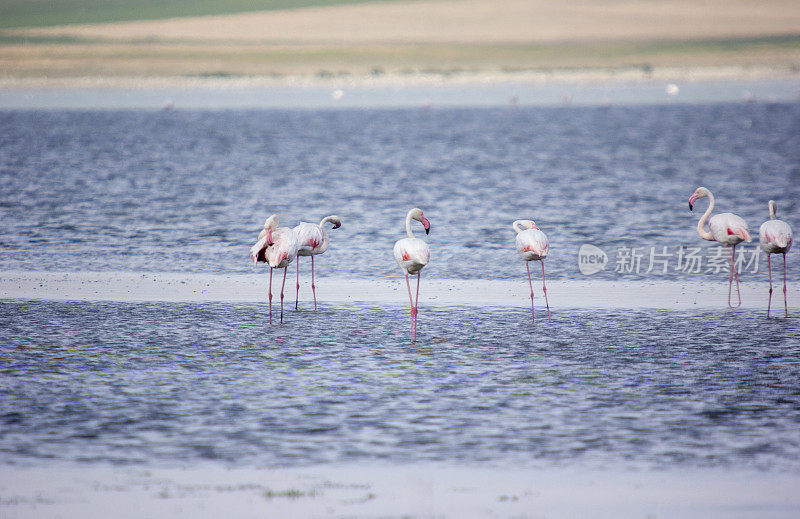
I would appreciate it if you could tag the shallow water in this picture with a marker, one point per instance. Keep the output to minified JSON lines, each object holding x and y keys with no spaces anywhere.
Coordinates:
{"x":161,"y":383}
{"x":189,"y":190}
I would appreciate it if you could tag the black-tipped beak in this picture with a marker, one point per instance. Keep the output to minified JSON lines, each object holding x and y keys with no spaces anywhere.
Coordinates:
{"x":427,"y":231}
{"x":425,"y":224}
{"x":336,"y":226}
{"x":690,"y":206}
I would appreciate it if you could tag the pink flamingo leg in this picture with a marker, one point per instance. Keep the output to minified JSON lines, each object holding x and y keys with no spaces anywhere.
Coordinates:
{"x":413,"y":310}
{"x":527,"y":266}
{"x":730,"y":277}
{"x":283,"y":285}
{"x":297,"y":293}
{"x":785,"y":302}
{"x":270,"y":295}
{"x":769,"y":269}
{"x":736,"y":277}
{"x":313,"y":287}
{"x":544,"y":287}
{"x":733,"y":274}
{"x":416,"y":307}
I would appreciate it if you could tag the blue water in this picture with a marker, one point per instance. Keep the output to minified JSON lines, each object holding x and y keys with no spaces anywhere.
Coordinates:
{"x":156,"y":383}
{"x":188,"y":191}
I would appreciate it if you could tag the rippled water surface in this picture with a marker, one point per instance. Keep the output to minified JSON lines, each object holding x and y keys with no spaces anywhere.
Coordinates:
{"x":166,"y":383}
{"x":189,"y":190}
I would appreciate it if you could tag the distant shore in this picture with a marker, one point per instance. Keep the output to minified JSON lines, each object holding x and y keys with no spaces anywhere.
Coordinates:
{"x":610,"y":76}
{"x":342,"y":44}
{"x":408,"y":92}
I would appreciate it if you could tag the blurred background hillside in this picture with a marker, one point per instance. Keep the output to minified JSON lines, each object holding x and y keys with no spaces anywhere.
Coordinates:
{"x":320,"y":40}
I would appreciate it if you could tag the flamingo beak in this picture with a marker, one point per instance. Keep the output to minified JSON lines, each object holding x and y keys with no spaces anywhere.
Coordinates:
{"x":337,"y":225}
{"x":426,"y":224}
{"x":692,"y":200}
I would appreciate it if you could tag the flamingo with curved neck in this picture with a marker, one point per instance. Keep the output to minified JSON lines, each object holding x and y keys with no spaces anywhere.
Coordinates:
{"x":725,"y":228}
{"x":412,"y":254}
{"x":313,"y":240}
{"x":532,"y":245}
{"x":775,"y":237}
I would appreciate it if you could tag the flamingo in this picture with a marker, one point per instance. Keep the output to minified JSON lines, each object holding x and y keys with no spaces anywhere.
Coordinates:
{"x":313,"y":240}
{"x":726,"y":228}
{"x":411,"y":254}
{"x":776,"y":238}
{"x":532,"y":245}
{"x":276,"y":246}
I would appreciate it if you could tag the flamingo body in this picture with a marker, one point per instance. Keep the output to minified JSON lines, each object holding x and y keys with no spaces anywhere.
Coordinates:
{"x":283,"y":249}
{"x":313,"y":239}
{"x":728,"y":229}
{"x":532,"y":245}
{"x":411,"y":254}
{"x":775,"y":237}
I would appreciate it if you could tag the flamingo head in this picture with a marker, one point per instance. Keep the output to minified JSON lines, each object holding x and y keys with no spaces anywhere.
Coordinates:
{"x":272,"y":222}
{"x":530,"y":224}
{"x":700,"y":192}
{"x":336,"y":221}
{"x":416,"y":214}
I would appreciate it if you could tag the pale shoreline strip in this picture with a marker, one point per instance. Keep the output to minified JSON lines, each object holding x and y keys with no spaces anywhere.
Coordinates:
{"x":504,"y":91}
{"x":244,"y":288}
{"x":393,"y":491}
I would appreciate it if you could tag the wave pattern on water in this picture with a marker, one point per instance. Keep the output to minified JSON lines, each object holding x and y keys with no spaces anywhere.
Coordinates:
{"x":161,"y":383}
{"x":189,"y":190}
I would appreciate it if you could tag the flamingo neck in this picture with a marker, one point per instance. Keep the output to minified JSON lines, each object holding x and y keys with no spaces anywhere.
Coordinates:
{"x":517,"y":226}
{"x":772,"y":210}
{"x":322,"y":222}
{"x":701,"y":225}
{"x":409,"y":232}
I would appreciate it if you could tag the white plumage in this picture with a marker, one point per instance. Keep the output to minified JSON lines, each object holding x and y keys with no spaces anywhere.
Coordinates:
{"x":412,"y":254}
{"x":277,"y":247}
{"x":775,"y":237}
{"x":728,"y":229}
{"x":725,"y":228}
{"x":312,"y":240}
{"x":532,"y":245}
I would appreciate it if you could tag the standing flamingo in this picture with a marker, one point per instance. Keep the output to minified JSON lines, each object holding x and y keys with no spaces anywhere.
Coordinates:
{"x":776,"y":238}
{"x":412,"y":254}
{"x":726,"y":228}
{"x":276,"y":246}
{"x":313,"y":240}
{"x":532,"y":245}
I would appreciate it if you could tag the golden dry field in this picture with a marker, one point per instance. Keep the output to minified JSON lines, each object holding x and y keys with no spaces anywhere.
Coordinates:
{"x":406,"y":41}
